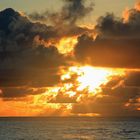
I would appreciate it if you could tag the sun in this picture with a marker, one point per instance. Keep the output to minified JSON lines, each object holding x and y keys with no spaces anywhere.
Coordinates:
{"x":91,"y":78}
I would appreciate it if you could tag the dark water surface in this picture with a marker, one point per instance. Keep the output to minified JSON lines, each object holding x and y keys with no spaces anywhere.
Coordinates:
{"x":69,"y":128}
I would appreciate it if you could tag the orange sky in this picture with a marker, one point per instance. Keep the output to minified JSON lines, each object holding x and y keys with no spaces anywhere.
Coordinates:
{"x":54,"y":64}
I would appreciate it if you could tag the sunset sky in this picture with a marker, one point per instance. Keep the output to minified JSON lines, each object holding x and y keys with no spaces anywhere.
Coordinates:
{"x":70,"y":58}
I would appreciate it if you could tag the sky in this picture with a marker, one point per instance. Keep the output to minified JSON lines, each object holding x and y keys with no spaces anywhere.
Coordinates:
{"x":101,"y":6}
{"x":70,"y":58}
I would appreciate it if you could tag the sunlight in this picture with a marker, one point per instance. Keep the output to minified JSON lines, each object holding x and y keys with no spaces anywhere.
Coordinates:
{"x":91,"y":78}
{"x":89,"y":115}
{"x":66,"y":44}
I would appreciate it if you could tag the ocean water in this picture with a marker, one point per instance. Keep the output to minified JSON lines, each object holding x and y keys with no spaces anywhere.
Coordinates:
{"x":69,"y":128}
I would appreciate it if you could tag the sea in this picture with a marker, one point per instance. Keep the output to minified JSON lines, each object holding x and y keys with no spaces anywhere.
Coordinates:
{"x":69,"y":128}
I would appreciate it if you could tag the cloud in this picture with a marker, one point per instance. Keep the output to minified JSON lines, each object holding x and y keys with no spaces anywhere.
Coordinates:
{"x":119,"y":97}
{"x":65,"y":20}
{"x":133,"y":79}
{"x":116,"y":45}
{"x":16,"y":92}
{"x":26,"y":56}
{"x":62,"y":98}
{"x":29,"y":65}
{"x":71,"y":11}
{"x":23,"y":61}
{"x":120,"y":101}
{"x":75,"y":10}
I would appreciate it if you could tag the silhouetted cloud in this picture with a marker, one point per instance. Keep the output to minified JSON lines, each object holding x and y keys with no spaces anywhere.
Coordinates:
{"x":121,"y":101}
{"x":116,"y":45}
{"x":64,"y":21}
{"x":16,"y":92}
{"x":23,"y":61}
{"x":63,"y":98}
{"x":71,"y":11}
{"x":133,"y":79}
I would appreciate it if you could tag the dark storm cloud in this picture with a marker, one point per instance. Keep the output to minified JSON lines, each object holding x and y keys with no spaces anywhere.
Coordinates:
{"x":111,"y":26}
{"x":72,"y":11}
{"x":117,"y":43}
{"x":19,"y":30}
{"x":23,"y":61}
{"x":75,"y":10}
{"x":65,"y":20}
